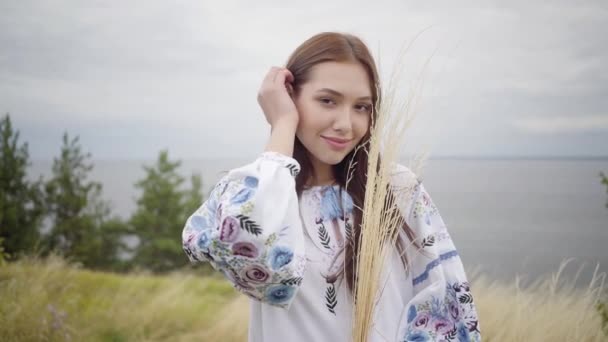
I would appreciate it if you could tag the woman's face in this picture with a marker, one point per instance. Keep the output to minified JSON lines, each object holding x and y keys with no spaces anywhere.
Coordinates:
{"x":335,"y":107}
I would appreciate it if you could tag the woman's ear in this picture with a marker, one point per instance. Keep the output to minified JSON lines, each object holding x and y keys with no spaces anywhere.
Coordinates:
{"x":290,"y":90}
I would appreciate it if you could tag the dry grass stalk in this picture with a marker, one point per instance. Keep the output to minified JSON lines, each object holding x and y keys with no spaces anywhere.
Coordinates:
{"x":379,"y":221}
{"x":552,"y":308}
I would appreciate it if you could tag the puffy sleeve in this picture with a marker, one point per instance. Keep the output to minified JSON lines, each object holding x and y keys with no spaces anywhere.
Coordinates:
{"x":250,"y":230}
{"x":442,"y":308}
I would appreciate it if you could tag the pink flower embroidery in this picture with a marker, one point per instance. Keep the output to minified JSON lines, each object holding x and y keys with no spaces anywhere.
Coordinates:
{"x":422,"y":320}
{"x":237,"y":281}
{"x":246,"y":249}
{"x":443,"y":326}
{"x":230,"y":229}
{"x":255,"y":274}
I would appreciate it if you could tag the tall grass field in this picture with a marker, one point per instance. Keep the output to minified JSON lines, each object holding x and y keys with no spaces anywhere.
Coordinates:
{"x":53,"y":300}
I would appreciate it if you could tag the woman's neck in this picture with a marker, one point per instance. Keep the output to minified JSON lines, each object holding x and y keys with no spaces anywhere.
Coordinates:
{"x":322,"y":173}
{"x":321,"y":183}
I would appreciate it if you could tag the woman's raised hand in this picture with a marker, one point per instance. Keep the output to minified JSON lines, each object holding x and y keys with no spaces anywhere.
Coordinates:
{"x":275,"y":98}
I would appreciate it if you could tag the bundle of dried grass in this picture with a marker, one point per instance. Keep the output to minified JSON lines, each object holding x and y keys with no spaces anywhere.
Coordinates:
{"x":380,"y":216}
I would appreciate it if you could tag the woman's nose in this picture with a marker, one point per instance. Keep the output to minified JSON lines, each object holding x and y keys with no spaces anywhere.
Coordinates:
{"x":343,"y":120}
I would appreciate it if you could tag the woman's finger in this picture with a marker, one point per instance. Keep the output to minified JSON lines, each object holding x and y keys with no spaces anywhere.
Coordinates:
{"x":282,"y":76}
{"x":270,"y":76}
{"x":289,"y":78}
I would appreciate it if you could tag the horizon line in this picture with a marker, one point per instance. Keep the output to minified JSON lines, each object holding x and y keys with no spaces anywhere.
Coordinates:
{"x":436,"y":157}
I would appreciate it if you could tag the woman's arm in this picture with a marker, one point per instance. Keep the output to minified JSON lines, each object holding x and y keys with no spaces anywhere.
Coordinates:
{"x":250,"y":230}
{"x":282,"y":137}
{"x":442,"y":307}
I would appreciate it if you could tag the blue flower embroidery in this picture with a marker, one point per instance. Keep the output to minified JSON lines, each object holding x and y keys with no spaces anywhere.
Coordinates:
{"x":447,"y":319}
{"x":200,"y":222}
{"x":279,"y":293}
{"x":347,"y":202}
{"x":280,"y":256}
{"x":251,"y":182}
{"x":243,"y":195}
{"x":411,"y":314}
{"x":437,"y":308}
{"x":330,"y":204}
{"x":463,"y":332}
{"x":212,"y":203}
{"x":204,"y":239}
{"x":330,"y":208}
{"x":417,"y":336}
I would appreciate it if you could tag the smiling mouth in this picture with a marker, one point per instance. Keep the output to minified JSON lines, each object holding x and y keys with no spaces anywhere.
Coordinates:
{"x":336,"y":143}
{"x":337,"y":140}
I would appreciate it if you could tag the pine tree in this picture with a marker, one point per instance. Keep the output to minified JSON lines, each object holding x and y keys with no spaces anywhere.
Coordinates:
{"x":21,"y":207}
{"x":161,"y":212}
{"x":193,"y":196}
{"x":81,"y":228}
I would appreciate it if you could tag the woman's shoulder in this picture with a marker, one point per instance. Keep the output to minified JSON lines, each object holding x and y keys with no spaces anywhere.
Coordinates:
{"x":404,"y":183}
{"x":402,"y":176}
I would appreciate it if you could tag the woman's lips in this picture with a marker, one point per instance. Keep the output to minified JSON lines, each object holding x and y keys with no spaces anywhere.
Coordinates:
{"x":336,"y":144}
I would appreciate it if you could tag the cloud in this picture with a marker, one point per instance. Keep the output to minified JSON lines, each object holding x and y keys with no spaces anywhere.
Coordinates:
{"x":563,"y":124}
{"x":185,"y":72}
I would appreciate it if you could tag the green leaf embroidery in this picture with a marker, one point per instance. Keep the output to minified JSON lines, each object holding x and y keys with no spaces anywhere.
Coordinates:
{"x":330,"y":298}
{"x":249,"y":225}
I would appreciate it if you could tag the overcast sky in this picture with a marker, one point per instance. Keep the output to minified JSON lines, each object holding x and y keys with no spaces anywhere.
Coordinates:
{"x":133,"y":77}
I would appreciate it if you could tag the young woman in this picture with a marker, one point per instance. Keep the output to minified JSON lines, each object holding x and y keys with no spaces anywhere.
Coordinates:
{"x":284,"y":230}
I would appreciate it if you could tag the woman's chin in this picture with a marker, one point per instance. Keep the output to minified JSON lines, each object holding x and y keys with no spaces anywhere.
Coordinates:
{"x":332,"y":157}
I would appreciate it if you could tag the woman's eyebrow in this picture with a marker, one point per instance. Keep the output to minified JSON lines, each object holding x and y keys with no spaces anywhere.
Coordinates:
{"x":336,"y":93}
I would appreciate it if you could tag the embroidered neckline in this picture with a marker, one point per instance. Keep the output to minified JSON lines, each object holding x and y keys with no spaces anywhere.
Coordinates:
{"x":320,"y":187}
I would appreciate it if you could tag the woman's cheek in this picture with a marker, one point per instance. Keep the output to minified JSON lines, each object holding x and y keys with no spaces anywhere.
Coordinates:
{"x":362,"y":124}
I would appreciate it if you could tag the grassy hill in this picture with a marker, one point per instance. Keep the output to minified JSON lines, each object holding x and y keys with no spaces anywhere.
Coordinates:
{"x":51,"y":300}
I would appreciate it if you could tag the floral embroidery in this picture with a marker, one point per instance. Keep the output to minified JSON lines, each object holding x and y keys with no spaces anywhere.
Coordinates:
{"x":242,"y":196}
{"x":255,"y":274}
{"x":246,"y":249}
{"x":331,"y":210}
{"x":328,"y":230}
{"x":333,"y":228}
{"x":200,"y":222}
{"x":292,"y":281}
{"x":452,"y":318}
{"x":224,"y":231}
{"x":442,"y":235}
{"x":261,"y":253}
{"x":293,"y":169}
{"x":230,"y":229}
{"x":203,"y":240}
{"x":323,"y":235}
{"x":330,"y":205}
{"x":190,"y":253}
{"x":428,"y":241}
{"x":330,"y":298}
{"x":238,"y":282}
{"x":279,"y":293}
{"x":288,"y":163}
{"x":247,"y":208}
{"x":251,"y":182}
{"x":424,"y":206}
{"x":249,"y":225}
{"x":280,"y":256}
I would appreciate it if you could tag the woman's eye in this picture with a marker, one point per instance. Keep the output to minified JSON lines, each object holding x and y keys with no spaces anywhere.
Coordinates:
{"x":365,"y":108}
{"x":326,"y":100}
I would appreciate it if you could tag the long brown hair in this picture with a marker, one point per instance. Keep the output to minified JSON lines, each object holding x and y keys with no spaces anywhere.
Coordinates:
{"x":343,"y":47}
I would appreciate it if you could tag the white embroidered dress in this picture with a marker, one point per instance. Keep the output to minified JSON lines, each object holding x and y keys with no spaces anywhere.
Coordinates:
{"x":276,"y":248}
